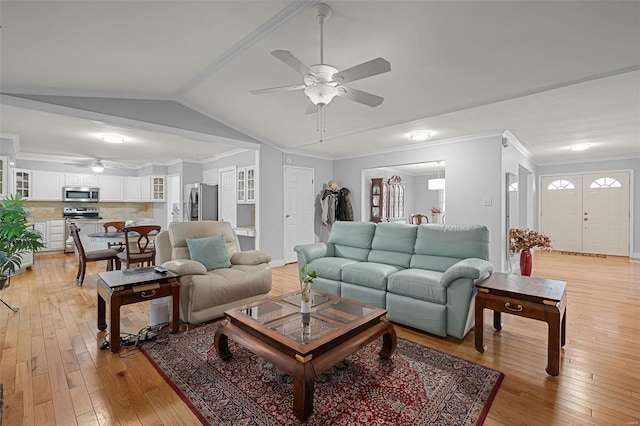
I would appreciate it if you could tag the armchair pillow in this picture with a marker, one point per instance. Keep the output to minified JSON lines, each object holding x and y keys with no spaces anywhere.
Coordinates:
{"x":210,"y":251}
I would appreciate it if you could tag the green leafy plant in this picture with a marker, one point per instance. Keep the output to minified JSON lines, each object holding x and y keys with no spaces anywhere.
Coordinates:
{"x":306,"y":279}
{"x":15,"y":236}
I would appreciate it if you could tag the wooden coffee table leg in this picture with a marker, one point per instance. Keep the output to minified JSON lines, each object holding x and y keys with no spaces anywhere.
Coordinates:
{"x":175,"y":300}
{"x":389,"y":341}
{"x":304,"y":378}
{"x":221,"y":342}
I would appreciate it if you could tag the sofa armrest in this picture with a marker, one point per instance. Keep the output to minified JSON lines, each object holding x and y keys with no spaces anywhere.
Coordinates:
{"x":250,"y":257}
{"x":467,"y":268}
{"x":310,"y":252}
{"x":184,"y":267}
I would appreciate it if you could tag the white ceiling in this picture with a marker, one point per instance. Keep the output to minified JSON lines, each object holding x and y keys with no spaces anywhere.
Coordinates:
{"x":553,"y":73}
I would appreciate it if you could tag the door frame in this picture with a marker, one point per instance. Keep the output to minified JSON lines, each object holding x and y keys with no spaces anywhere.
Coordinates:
{"x":632,"y":248}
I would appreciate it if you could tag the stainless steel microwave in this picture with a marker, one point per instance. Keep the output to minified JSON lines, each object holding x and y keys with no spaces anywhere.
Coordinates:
{"x":81,"y":194}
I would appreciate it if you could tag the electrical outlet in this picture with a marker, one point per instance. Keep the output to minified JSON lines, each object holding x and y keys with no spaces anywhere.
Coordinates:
{"x":487,"y":201}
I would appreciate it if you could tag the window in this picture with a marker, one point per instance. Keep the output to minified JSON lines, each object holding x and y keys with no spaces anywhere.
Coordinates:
{"x":605,"y":182}
{"x":560,"y":184}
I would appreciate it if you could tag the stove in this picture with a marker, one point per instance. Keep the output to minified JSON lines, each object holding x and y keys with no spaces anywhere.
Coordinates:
{"x":73,"y":215}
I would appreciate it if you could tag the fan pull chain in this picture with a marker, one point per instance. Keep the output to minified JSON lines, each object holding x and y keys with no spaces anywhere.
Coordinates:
{"x":321,"y":121}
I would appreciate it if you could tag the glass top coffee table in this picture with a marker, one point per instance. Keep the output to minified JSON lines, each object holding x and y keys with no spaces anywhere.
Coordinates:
{"x":305,"y":345}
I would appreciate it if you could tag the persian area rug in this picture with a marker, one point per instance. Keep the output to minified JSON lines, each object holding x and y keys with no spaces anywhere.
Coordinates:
{"x":416,"y":386}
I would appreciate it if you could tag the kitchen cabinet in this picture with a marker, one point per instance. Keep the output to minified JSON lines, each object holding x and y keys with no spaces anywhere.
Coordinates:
{"x":111,"y":188}
{"x":47,"y":186}
{"x":158,"y":188}
{"x":41,"y":227}
{"x":22,"y":183}
{"x":209,"y":176}
{"x":4,"y":177}
{"x":27,"y":257}
{"x":133,"y":188}
{"x":246,"y":185}
{"x":79,"y":179}
{"x":55,"y":234}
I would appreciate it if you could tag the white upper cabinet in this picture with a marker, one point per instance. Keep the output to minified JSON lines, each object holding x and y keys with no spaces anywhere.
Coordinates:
{"x":111,"y":188}
{"x":246,"y":185}
{"x":133,"y":188}
{"x":23,"y":183}
{"x":158,"y":188}
{"x":47,"y":186}
{"x":79,"y":179}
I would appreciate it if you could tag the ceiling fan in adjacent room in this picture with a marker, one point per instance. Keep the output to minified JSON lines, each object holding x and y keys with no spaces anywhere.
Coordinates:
{"x":323,"y":82}
{"x":97,"y":165}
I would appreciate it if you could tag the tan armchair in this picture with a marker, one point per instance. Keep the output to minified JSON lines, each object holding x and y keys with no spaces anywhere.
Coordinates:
{"x":206,"y":294}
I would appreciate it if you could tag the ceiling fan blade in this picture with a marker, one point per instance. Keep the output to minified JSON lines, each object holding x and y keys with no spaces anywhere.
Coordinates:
{"x":277,"y":89}
{"x":311,"y":108}
{"x":288,"y":58}
{"x":359,"y":96}
{"x":364,"y":70}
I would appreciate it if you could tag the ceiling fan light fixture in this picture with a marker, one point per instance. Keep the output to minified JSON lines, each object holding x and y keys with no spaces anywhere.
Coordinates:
{"x":113,"y":138}
{"x":97,"y":167}
{"x":422,"y":135}
{"x":321,"y":94}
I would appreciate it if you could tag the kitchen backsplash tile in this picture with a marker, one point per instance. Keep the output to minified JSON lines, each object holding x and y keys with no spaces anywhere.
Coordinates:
{"x":44,"y":210}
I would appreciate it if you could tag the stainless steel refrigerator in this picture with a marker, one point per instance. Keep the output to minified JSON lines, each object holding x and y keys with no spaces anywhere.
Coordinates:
{"x":201,"y":202}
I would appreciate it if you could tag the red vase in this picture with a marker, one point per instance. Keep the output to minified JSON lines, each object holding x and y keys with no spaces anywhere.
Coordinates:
{"x":526,"y":262}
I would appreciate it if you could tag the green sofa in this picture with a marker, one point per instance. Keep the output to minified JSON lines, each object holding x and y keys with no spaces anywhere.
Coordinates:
{"x":424,"y":275}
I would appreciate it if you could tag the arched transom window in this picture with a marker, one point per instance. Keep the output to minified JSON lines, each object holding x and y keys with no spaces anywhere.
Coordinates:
{"x":606,"y":182}
{"x":560,"y":184}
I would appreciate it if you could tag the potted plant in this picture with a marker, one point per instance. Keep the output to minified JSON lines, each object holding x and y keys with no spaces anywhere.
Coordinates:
{"x":15,"y":236}
{"x":306,"y":279}
{"x":522,"y":241}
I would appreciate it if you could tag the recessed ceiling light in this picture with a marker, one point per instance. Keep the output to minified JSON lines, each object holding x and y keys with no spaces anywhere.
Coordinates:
{"x":113,"y":138}
{"x":580,"y":146}
{"x":420,"y":136}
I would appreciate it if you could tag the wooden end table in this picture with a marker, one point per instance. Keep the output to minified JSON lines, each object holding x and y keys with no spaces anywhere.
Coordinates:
{"x":528,"y":297}
{"x":129,"y":286}
{"x":305,"y":345}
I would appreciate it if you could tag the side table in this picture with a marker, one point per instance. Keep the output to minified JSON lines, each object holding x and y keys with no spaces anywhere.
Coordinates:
{"x":528,"y":297}
{"x":129,"y":286}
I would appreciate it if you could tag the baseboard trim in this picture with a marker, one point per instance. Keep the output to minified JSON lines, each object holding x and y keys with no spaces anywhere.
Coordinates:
{"x":276,"y":263}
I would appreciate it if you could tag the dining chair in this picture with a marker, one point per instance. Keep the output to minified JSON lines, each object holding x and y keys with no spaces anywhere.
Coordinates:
{"x":110,"y":255}
{"x":139,"y":245}
{"x":418,"y":219}
{"x":115,"y":227}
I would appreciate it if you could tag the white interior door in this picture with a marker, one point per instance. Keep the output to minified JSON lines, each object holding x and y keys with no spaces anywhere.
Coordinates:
{"x":298,"y":209}
{"x":561,"y":211}
{"x":174,"y":212}
{"x":227,"y":207}
{"x":587,"y":213}
{"x":606,"y":213}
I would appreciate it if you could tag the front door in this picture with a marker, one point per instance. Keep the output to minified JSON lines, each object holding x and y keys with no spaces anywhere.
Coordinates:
{"x":298,"y":210}
{"x":587,"y":213}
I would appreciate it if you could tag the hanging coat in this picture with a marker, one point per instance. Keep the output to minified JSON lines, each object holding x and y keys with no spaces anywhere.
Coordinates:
{"x":344,"y":210}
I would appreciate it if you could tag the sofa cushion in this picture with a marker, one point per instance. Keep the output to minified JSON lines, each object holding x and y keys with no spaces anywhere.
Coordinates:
{"x":329,"y":267}
{"x":179,"y":232}
{"x":369,"y":274}
{"x":393,"y":244}
{"x":250,"y":257}
{"x":210,"y":251}
{"x":227,"y":285}
{"x":459,"y":241}
{"x":435,"y":263}
{"x":418,"y":283}
{"x":352,"y":239}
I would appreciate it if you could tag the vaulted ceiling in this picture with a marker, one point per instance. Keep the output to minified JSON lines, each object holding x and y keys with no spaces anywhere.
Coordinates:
{"x":552,"y":73}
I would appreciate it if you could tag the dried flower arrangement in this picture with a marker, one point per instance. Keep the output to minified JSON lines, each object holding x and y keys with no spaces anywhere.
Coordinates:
{"x":521,"y":239}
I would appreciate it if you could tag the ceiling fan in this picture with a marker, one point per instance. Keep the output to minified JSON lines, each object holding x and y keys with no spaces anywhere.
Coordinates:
{"x":96,"y":165}
{"x":323,"y":82}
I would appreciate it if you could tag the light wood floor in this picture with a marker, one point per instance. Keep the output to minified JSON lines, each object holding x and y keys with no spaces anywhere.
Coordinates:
{"x":53,"y":371}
